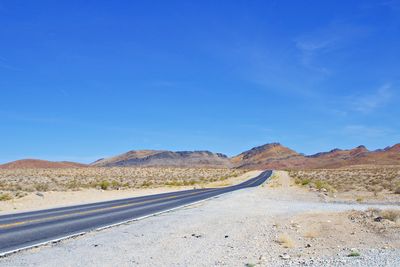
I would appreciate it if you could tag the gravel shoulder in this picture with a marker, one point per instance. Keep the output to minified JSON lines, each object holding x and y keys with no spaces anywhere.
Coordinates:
{"x":277,"y":224}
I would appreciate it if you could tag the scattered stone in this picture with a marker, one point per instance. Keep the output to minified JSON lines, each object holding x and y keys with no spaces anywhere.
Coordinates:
{"x":39,"y":194}
{"x":226,"y":236}
{"x":308,"y":246}
{"x":378,"y":219}
{"x":285,"y":256}
{"x":197,"y":236}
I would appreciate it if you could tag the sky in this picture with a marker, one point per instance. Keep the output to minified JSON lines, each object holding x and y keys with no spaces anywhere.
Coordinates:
{"x":81,"y":80}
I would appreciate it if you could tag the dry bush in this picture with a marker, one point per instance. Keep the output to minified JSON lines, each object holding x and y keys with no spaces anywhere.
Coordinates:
{"x":391,"y":215}
{"x":286,"y":241}
{"x":29,"y":180}
{"x":311,"y":234}
{"x":397,"y":190}
{"x":5,"y":197}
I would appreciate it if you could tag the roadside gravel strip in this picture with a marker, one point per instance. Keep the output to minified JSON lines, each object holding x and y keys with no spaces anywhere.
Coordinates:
{"x":24,"y":230}
{"x":237,"y":229}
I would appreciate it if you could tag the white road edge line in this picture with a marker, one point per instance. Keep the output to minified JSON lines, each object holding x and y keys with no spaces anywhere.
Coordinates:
{"x":7,"y":253}
{"x":4,"y":254}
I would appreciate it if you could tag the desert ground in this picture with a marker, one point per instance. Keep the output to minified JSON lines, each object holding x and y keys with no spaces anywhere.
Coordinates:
{"x":360,"y":183}
{"x":281,"y":223}
{"x":34,"y":189}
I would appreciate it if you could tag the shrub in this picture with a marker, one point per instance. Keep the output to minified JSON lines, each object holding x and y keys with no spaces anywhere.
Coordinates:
{"x":285,"y":240}
{"x":4,"y":197}
{"x":391,"y":215}
{"x":146,"y":184}
{"x":41,"y":187}
{"x":104,"y":185}
{"x":354,"y":254}
{"x":115,"y":184}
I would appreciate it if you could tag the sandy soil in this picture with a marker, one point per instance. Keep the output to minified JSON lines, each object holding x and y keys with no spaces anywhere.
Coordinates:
{"x":54,"y":199}
{"x":276,"y":224}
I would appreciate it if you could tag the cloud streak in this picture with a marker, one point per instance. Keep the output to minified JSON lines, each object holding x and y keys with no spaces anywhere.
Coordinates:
{"x":371,"y":102}
{"x":326,"y":40}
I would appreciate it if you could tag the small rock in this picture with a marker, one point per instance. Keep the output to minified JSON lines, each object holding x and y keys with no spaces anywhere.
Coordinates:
{"x":284,"y":256}
{"x":39,"y":194}
{"x":308,"y":246}
{"x":197,"y":236}
{"x":226,"y":236}
{"x":378,"y":219}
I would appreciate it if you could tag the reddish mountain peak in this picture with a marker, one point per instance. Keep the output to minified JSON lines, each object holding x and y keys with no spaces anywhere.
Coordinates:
{"x":269,"y":148}
{"x":267,"y":152}
{"x":394,"y":148}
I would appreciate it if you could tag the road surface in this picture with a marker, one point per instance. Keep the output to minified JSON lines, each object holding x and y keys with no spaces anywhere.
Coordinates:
{"x":29,"y":229}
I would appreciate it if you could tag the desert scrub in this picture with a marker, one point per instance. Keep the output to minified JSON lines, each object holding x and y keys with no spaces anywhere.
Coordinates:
{"x":147,"y":184}
{"x":5,"y":197}
{"x":354,"y":254}
{"x":397,"y":190}
{"x":374,"y":179}
{"x":286,"y":241}
{"x":104,"y":185}
{"x":42,"y":187}
{"x":29,"y":180}
{"x":391,"y":215}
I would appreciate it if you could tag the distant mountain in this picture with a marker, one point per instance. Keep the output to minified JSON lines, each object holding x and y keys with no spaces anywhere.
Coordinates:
{"x":163,"y":158}
{"x":276,"y":156}
{"x":37,"y":164}
{"x":269,"y":156}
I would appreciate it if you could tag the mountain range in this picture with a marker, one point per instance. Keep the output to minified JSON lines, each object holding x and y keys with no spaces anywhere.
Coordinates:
{"x":164,"y":158}
{"x":269,"y":156}
{"x":42,"y":164}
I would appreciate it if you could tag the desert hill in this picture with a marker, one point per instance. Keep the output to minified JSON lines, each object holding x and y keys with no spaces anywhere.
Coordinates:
{"x":276,"y":156}
{"x":162,"y":158}
{"x":40,"y":164}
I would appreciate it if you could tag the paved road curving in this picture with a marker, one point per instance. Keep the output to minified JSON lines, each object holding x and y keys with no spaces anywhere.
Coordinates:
{"x":28,"y":229}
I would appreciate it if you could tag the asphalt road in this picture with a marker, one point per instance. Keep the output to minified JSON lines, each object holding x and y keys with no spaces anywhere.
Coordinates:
{"x":23,"y":230}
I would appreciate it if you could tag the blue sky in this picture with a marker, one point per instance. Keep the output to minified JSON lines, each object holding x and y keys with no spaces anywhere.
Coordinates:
{"x":80,"y":80}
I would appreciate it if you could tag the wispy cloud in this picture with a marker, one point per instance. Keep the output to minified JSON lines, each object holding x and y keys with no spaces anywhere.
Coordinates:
{"x":324,"y":40}
{"x":365,"y":131}
{"x":374,"y":100}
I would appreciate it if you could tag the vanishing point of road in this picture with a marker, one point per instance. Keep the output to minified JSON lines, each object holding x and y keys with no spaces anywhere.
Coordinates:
{"x":29,"y":229}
